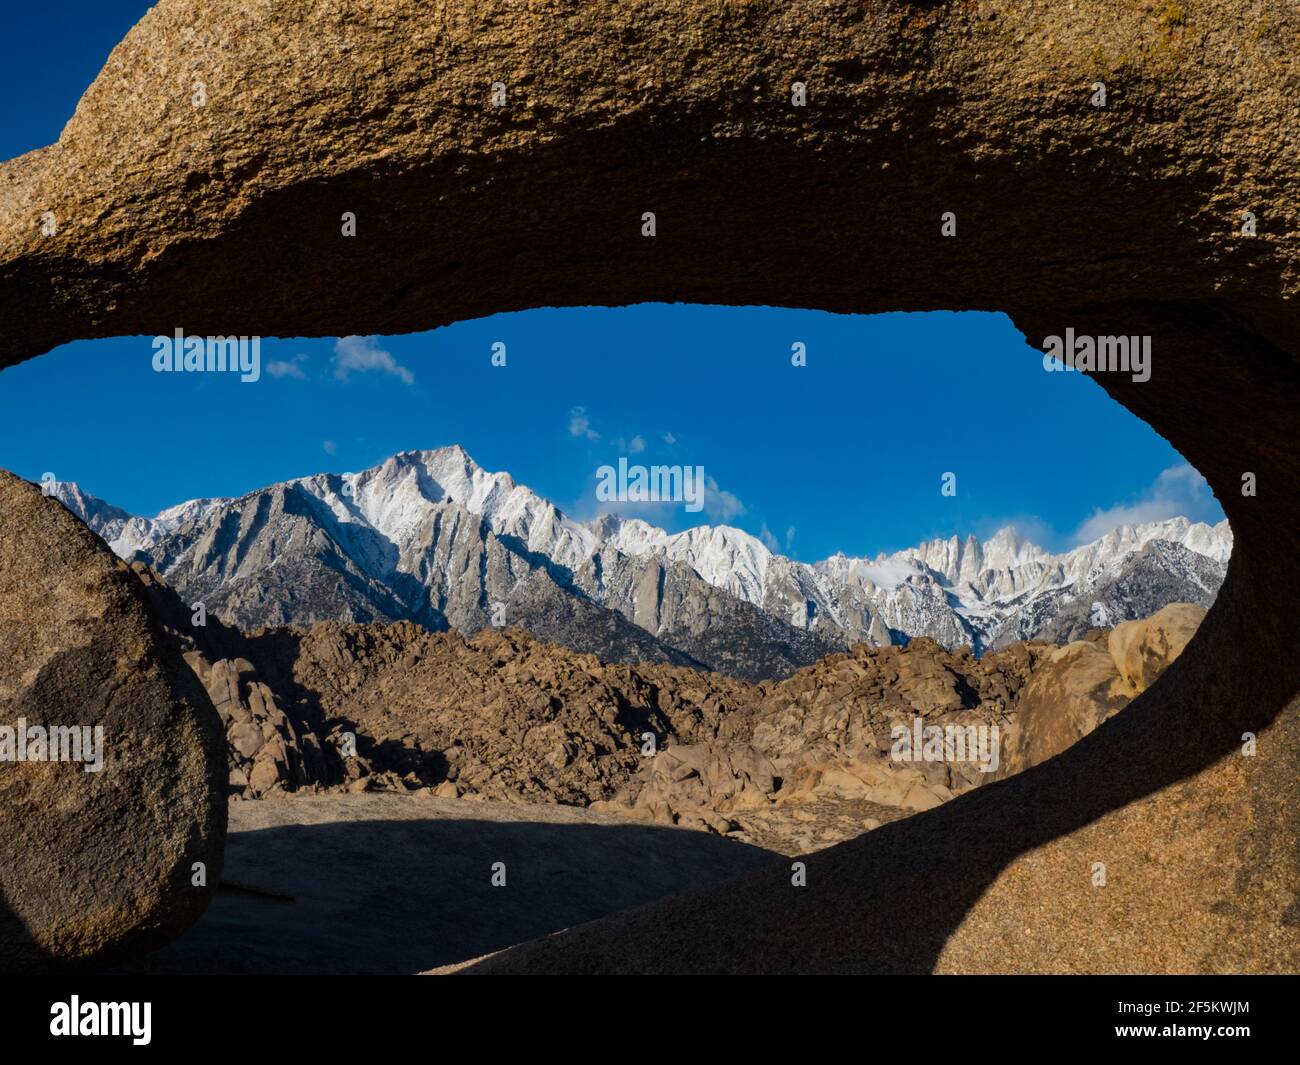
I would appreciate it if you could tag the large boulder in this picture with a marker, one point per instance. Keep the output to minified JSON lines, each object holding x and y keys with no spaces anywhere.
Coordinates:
{"x":1143,"y":649}
{"x":1072,"y":691}
{"x":117,"y":848}
{"x":1078,"y":686}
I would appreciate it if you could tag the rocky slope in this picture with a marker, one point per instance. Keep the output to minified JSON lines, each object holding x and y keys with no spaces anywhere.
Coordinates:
{"x":793,"y":765}
{"x":434,"y":538}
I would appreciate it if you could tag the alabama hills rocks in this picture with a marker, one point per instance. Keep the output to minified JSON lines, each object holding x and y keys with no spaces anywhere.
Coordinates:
{"x":817,"y":758}
{"x":1079,"y":685}
{"x":1126,"y":217}
{"x":794,"y":765}
{"x":112,"y":804}
{"x":1143,"y":648}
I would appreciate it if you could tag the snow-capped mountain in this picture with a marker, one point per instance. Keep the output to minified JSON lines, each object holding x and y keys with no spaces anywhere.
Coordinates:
{"x":432,"y":536}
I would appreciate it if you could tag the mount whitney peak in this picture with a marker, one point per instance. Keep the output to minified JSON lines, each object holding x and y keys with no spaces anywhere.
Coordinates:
{"x":432,"y":537}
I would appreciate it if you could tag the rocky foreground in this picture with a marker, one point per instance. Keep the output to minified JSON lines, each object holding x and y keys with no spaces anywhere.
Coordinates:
{"x":792,"y":765}
{"x":460,"y":731}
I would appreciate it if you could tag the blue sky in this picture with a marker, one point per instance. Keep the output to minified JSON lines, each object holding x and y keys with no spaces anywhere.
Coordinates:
{"x":845,"y":453}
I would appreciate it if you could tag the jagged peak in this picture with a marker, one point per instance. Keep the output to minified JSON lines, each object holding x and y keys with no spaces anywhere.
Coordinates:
{"x":957,"y":578}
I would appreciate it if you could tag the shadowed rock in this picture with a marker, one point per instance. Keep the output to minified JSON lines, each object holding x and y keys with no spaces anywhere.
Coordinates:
{"x":95,"y":865}
{"x":1122,"y":220}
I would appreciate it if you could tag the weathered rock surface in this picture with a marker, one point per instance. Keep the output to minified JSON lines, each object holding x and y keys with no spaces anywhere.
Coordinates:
{"x":679,"y":108}
{"x":1074,"y":689}
{"x":96,"y":865}
{"x":1142,"y":650}
{"x":1122,"y":220}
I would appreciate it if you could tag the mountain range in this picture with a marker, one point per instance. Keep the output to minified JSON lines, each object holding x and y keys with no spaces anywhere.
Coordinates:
{"x":432,"y":537}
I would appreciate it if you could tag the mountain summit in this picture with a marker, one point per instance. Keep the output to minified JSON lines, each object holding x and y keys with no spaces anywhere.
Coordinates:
{"x":432,"y":537}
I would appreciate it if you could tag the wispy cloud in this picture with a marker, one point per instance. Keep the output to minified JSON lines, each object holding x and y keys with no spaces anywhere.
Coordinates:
{"x":283,"y":368}
{"x":330,"y":447}
{"x":580,"y":424}
{"x":1178,"y":492}
{"x":719,"y":504}
{"x":1029,"y":526}
{"x":773,"y":544}
{"x":669,"y":439}
{"x":363,"y":355}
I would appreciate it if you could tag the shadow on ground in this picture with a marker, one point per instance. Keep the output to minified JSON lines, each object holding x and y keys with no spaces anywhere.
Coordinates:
{"x":400,"y":884}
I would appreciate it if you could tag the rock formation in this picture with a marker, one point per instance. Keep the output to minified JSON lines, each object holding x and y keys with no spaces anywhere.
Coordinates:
{"x":1143,"y":649}
{"x":1074,"y":690}
{"x":219,"y":210}
{"x":794,"y":765}
{"x":162,"y":182}
{"x":99,"y":840}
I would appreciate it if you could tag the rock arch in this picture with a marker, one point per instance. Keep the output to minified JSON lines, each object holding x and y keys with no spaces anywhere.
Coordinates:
{"x":225,"y":217}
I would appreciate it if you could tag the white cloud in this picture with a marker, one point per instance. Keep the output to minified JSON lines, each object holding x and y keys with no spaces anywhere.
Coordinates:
{"x":330,"y":447}
{"x":1029,"y":526}
{"x":281,"y":368}
{"x":669,"y":439}
{"x":363,"y":354}
{"x":580,"y":424}
{"x":720,"y":505}
{"x":789,"y":539}
{"x":769,"y":539}
{"x":636,"y":445}
{"x":1178,"y":492}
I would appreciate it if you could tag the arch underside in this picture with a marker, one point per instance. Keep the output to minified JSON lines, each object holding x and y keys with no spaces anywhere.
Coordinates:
{"x":225,"y":219}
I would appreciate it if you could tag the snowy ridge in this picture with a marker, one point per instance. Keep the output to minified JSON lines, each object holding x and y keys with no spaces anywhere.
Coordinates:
{"x":400,"y":518}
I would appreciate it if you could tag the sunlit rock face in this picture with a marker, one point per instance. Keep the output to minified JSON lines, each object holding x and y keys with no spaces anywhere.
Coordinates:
{"x":214,"y":201}
{"x":112,"y":758}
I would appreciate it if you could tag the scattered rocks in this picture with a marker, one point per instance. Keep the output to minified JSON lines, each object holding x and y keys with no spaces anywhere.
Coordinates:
{"x":267,"y":754}
{"x":504,"y":716}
